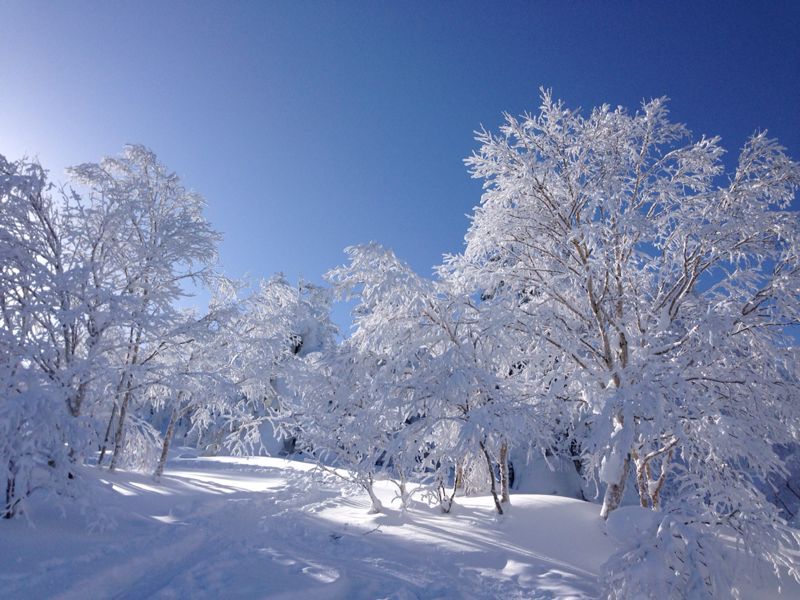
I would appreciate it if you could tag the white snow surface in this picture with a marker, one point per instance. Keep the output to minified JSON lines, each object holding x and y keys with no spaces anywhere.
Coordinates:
{"x":260,"y":527}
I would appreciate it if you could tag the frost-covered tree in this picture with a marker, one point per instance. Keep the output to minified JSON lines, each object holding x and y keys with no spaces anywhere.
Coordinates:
{"x":422,"y":385}
{"x":349,"y":409}
{"x":29,"y":446}
{"x":336,"y":420}
{"x":54,"y":309}
{"x":88,"y":281}
{"x":164,"y":243}
{"x":46,"y":297}
{"x":658,"y":290}
{"x":198,"y":381}
{"x":265,"y":332}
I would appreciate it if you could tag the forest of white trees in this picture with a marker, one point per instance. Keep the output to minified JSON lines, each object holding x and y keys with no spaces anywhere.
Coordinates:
{"x":624,"y":307}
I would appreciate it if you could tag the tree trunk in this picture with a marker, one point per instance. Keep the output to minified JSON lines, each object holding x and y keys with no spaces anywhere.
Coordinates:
{"x":504,"y":479}
{"x":642,"y":481}
{"x":445,"y":499}
{"x":8,"y":512}
{"x":405,"y":495}
{"x":458,"y":484}
{"x":614,"y":491}
{"x":119,"y":434}
{"x":107,"y":436}
{"x":173,"y":419}
{"x":492,"y":478}
{"x":376,"y":503}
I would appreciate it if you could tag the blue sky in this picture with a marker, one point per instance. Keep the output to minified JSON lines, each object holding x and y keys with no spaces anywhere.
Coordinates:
{"x":311,"y":126}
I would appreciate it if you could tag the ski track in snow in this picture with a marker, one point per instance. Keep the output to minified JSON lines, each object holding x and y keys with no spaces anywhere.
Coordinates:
{"x":269,"y":528}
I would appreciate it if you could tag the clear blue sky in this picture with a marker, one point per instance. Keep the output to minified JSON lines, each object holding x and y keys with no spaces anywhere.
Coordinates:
{"x":310,"y":126}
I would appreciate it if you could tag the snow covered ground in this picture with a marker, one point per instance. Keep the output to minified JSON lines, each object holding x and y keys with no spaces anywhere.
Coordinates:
{"x":268,"y":528}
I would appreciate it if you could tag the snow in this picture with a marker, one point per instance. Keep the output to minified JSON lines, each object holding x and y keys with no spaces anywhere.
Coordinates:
{"x":262,"y":527}
{"x":270,"y":528}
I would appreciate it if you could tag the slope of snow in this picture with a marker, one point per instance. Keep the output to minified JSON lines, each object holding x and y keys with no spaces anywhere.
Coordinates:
{"x":270,"y":528}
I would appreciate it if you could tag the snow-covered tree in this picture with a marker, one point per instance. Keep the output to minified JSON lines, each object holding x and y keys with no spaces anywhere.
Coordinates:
{"x":88,"y":282}
{"x":657,"y":296}
{"x":163,"y":243}
{"x":422,"y":385}
{"x":198,"y":382}
{"x":264,"y":332}
{"x":50,"y":354}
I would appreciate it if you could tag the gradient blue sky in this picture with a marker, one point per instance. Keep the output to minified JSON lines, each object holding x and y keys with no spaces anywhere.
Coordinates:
{"x":310,"y":126}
